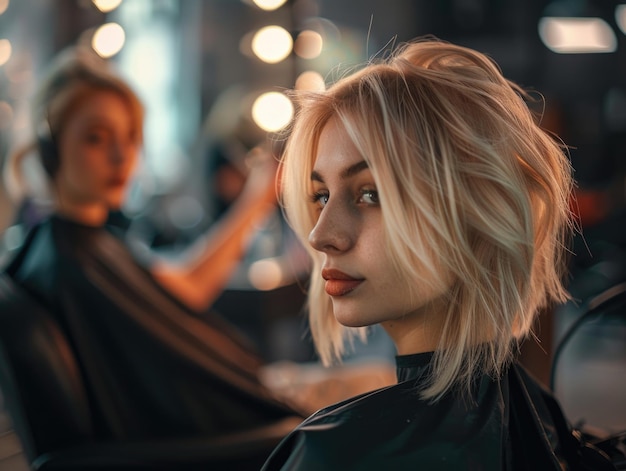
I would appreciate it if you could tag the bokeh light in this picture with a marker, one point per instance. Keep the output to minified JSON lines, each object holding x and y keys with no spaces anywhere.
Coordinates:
{"x":5,"y":51}
{"x":106,"y":6}
{"x":108,"y":40}
{"x":310,"y":81}
{"x":620,"y":17}
{"x":185,"y":212}
{"x":265,"y":274}
{"x":572,"y":35}
{"x":308,"y":44}
{"x":269,"y":5}
{"x":4,"y":4}
{"x":272,"y":44}
{"x":272,"y":111}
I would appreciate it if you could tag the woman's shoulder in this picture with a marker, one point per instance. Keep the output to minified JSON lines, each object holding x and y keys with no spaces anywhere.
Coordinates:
{"x":51,"y":238}
{"x":499,"y":427}
{"x":35,"y":248}
{"x":393,"y":427}
{"x":54,"y":250}
{"x":35,"y":264}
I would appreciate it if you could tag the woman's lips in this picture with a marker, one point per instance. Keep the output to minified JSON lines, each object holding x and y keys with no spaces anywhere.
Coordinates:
{"x":339,"y":283}
{"x":116,"y":182}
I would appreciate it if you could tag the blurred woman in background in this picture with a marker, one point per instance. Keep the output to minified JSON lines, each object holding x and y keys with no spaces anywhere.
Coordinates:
{"x":151,"y":366}
{"x":98,"y":137}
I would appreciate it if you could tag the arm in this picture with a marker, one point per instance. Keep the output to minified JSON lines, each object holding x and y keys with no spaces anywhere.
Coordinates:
{"x":201,"y":275}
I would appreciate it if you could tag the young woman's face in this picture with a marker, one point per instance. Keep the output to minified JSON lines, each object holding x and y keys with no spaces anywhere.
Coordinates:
{"x":364,"y":286}
{"x":99,"y":148}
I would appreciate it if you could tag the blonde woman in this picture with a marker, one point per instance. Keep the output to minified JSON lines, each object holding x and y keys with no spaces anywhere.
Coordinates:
{"x":432,"y":203}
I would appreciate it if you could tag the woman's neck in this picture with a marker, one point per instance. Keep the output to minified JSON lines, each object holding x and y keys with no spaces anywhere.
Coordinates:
{"x":412,"y":339}
{"x":89,"y":215}
{"x":419,"y":331}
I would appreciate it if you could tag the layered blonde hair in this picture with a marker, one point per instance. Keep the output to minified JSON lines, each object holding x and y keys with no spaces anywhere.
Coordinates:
{"x":463,"y":171}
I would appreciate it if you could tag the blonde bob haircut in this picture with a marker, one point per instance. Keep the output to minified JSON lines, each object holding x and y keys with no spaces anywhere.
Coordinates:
{"x":463,"y":171}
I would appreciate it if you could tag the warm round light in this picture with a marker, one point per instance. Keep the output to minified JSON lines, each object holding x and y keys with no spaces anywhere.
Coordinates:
{"x":272,"y":44}
{"x":265,"y":274}
{"x":308,"y":44}
{"x":310,"y":81}
{"x":567,"y":35}
{"x":106,"y":6}
{"x":5,"y":51}
{"x":269,"y":5}
{"x":272,"y":111}
{"x":108,"y":40}
{"x":620,"y":17}
{"x":4,"y":4}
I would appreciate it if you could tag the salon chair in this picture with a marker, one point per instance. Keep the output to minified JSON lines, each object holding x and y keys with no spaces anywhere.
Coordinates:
{"x":588,"y":365}
{"x":47,"y":400}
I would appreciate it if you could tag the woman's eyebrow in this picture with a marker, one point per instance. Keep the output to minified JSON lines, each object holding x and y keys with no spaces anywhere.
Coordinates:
{"x":96,"y":121}
{"x":346,"y":173}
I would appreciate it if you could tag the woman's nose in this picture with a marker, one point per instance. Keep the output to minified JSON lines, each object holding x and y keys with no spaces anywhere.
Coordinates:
{"x":334,"y":231}
{"x":122,"y":153}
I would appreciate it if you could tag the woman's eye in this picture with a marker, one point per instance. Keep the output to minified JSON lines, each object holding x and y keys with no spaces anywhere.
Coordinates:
{"x":95,"y":138}
{"x":369,"y":197}
{"x":320,"y":198}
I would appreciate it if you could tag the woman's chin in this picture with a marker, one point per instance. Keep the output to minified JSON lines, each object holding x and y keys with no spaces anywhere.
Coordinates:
{"x":350,"y":320}
{"x":115,"y":204}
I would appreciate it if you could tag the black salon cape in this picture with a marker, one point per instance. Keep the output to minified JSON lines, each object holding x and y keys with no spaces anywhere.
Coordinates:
{"x":152,"y":367}
{"x":507,"y":428}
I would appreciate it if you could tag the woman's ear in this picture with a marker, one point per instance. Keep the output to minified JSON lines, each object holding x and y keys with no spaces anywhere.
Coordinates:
{"x":48,"y":149}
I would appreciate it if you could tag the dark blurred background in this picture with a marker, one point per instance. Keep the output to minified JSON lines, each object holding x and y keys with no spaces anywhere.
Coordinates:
{"x":200,"y":66}
{"x":191,"y":58}
{"x":193,"y":64}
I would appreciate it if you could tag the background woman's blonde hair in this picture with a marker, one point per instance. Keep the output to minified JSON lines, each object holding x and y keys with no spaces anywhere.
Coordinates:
{"x":464,"y":172}
{"x":74,"y":74}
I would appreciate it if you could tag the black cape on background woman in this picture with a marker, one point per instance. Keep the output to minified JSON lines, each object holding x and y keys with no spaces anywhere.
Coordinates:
{"x":152,"y":367}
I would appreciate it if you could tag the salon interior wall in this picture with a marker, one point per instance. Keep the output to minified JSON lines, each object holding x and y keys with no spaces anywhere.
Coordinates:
{"x":185,"y":59}
{"x":183,"y":55}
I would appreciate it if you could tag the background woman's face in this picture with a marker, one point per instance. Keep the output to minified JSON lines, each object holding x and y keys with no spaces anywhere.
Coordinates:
{"x":99,"y":148}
